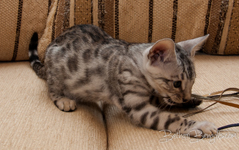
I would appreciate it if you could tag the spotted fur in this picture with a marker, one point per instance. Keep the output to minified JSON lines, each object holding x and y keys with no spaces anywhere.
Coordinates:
{"x":86,"y":64}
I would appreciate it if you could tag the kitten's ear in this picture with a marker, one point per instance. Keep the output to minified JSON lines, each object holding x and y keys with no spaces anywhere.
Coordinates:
{"x":193,"y":45}
{"x":162,"y":51}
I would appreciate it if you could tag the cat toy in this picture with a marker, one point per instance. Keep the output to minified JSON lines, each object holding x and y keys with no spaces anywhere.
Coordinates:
{"x":216,"y":97}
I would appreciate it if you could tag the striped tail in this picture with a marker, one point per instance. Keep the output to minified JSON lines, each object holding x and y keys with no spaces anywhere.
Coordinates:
{"x":36,"y":64}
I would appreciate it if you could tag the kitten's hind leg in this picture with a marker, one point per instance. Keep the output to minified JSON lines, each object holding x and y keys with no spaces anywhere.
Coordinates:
{"x":56,"y":93}
{"x":63,"y":103}
{"x":66,"y":104}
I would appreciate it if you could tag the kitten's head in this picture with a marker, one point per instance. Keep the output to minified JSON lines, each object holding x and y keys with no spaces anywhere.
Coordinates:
{"x":170,"y":70}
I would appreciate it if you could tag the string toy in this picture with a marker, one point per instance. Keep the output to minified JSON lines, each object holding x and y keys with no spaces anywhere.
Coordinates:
{"x":217,"y":99}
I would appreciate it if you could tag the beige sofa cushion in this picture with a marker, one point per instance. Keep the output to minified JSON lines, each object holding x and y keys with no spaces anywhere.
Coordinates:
{"x":29,"y":119}
{"x":213,"y":73}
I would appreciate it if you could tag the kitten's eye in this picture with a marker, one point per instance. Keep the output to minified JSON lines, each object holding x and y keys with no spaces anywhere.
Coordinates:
{"x":177,"y":84}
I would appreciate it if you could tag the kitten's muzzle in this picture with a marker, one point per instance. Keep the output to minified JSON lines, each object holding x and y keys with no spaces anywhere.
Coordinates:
{"x":186,"y":100}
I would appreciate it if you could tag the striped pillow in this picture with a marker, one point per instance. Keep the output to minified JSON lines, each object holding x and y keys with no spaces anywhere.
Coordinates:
{"x":18,"y":21}
{"x":131,"y":20}
{"x":151,"y":20}
{"x":222,"y":25}
{"x":64,"y":14}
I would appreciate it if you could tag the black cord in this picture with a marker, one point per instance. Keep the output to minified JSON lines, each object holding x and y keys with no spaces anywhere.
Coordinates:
{"x":215,"y":96}
{"x":224,"y":95}
{"x":228,"y":126}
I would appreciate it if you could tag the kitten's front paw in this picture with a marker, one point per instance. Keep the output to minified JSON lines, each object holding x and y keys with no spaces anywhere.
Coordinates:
{"x":66,"y":104}
{"x":202,"y":129}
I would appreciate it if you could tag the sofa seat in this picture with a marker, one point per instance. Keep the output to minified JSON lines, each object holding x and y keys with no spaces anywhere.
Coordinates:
{"x":29,"y":119}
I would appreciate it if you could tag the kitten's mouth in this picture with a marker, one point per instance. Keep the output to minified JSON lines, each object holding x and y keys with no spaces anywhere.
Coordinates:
{"x":169,"y":101}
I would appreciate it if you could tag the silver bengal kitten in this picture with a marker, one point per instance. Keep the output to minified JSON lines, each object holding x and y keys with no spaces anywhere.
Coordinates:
{"x":86,"y":64}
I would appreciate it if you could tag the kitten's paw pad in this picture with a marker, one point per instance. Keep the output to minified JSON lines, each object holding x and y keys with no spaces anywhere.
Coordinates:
{"x":203,"y":129}
{"x":66,"y":104}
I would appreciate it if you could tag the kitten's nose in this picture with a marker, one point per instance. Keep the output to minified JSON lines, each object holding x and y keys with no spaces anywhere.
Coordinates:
{"x":186,"y":97}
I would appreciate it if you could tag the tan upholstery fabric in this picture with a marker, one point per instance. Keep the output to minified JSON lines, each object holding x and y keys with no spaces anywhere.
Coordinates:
{"x":213,"y":73}
{"x":223,"y":28}
{"x":133,"y":21}
{"x":150,"y":21}
{"x":47,"y":36}
{"x":29,"y":120}
{"x":18,"y":21}
{"x":232,"y":44}
{"x":64,"y":14}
